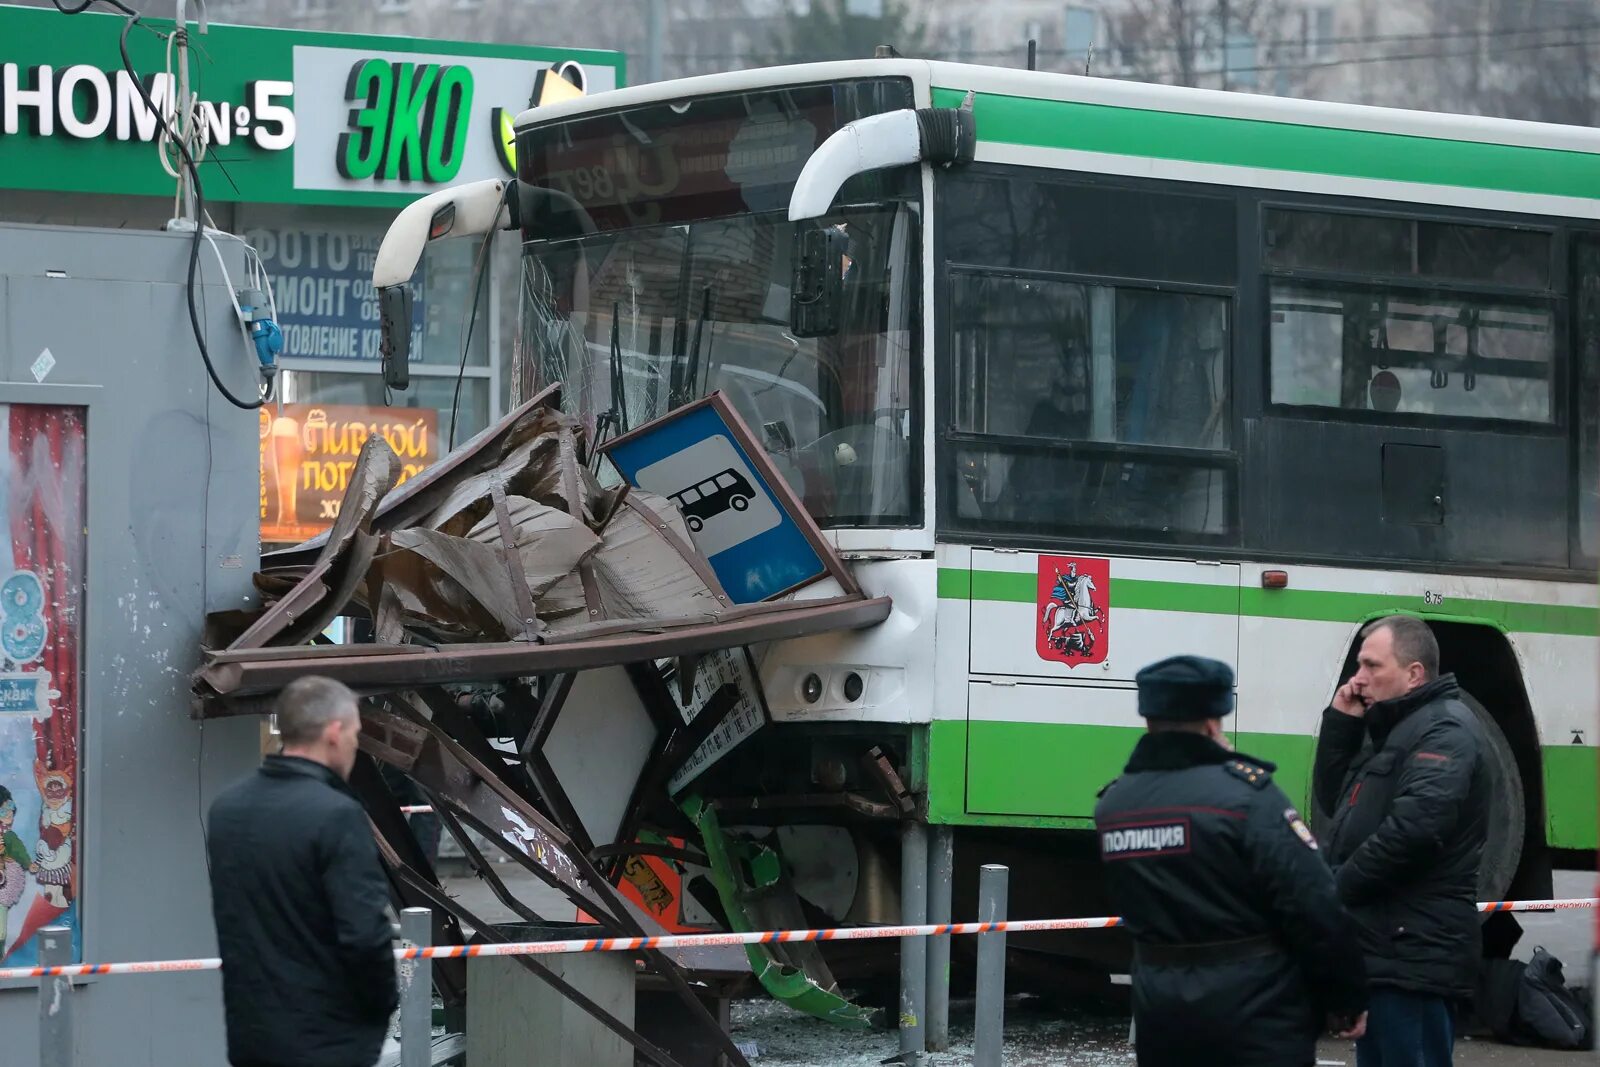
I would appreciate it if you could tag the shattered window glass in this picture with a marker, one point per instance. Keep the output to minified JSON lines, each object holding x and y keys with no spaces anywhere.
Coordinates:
{"x":637,"y":322}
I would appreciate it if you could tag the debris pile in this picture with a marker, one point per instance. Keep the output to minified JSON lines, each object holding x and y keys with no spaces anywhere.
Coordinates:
{"x":502,"y":586}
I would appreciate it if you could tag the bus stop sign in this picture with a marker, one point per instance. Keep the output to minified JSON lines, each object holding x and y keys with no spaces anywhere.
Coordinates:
{"x":741,"y":515}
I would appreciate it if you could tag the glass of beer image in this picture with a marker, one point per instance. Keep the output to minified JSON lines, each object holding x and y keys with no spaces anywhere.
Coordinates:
{"x":287,"y":451}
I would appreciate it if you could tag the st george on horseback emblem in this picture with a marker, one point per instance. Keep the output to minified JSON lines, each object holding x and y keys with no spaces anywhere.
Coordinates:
{"x":1074,"y":613}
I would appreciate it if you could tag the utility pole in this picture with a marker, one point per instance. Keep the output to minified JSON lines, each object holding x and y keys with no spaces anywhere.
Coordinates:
{"x":1222,"y":21}
{"x":1585,"y":116}
{"x":1178,"y":22}
{"x":655,"y":31}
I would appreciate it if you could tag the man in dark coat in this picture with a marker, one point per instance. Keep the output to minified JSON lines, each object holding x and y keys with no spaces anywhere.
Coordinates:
{"x":1242,"y":951}
{"x":1399,"y":773}
{"x":308,"y":969}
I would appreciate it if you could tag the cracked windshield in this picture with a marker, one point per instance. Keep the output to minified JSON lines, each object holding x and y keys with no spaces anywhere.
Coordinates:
{"x":643,"y":293}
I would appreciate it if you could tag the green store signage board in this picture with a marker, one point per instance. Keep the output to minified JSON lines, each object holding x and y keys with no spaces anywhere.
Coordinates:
{"x":293,"y":117}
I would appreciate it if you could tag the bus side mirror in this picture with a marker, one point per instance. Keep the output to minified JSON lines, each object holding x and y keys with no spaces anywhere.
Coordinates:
{"x":394,"y":319}
{"x":816,"y":291}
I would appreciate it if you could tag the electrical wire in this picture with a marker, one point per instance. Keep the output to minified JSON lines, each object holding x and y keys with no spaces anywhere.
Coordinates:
{"x":1076,"y":53}
{"x":133,"y":19}
{"x":1356,"y":61}
{"x":257,"y":276}
{"x":194,"y":256}
{"x":1296,"y":43}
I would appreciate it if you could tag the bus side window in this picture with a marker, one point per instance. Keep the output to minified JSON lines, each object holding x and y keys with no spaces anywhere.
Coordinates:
{"x":1089,"y":390}
{"x":1586,"y":358}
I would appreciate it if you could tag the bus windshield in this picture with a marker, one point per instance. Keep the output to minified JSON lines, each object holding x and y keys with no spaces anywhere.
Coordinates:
{"x":682,"y":288}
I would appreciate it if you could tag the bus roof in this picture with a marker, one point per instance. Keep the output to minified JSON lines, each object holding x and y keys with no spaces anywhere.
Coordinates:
{"x":1105,"y":124}
{"x":1112,"y":92}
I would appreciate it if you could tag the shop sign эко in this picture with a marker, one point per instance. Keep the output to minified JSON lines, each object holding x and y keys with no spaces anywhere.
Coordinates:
{"x":289,"y":117}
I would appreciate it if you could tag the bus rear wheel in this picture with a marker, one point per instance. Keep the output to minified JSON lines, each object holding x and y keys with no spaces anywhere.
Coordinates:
{"x":1502,"y":851}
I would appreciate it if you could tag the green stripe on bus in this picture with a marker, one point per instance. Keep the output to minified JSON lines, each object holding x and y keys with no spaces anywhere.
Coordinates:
{"x":1311,"y":605}
{"x":955,"y":583}
{"x":1129,"y":593}
{"x":1046,"y":775}
{"x":1324,"y":606}
{"x":1279,"y":145}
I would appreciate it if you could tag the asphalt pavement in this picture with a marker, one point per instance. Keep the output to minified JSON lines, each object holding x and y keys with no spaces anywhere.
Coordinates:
{"x":1038,"y":1035}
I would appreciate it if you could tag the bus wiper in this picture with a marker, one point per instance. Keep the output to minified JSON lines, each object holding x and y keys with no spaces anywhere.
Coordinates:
{"x":619,"y":392}
{"x":614,"y":418}
{"x":692,"y":389}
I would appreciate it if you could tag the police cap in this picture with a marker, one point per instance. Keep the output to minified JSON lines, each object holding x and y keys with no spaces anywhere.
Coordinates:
{"x":1185,"y":688}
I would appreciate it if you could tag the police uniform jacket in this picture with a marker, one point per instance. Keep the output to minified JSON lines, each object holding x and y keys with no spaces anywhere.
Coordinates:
{"x":1408,"y":800}
{"x":1241,"y":946}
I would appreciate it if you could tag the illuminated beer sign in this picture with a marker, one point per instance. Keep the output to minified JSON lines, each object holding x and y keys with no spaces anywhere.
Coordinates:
{"x":308,"y":452}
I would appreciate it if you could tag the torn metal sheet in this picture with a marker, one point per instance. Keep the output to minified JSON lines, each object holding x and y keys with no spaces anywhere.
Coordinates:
{"x":388,"y":668}
{"x":298,"y":600}
{"x":453,"y":578}
{"x":507,"y":575}
{"x":424,"y":492}
{"x":508,"y":561}
{"x":643,"y":576}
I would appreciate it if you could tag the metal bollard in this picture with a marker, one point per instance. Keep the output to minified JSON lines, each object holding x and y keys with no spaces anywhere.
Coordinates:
{"x":913,"y":950}
{"x":416,"y":992}
{"x":990,"y":1023}
{"x":941,"y":858}
{"x":55,"y":999}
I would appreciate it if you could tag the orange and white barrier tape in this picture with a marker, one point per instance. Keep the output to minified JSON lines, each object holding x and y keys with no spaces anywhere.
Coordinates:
{"x":74,"y":970}
{"x":668,"y":941}
{"x":1540,"y":905}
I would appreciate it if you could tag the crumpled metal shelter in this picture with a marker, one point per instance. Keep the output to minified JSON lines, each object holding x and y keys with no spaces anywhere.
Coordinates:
{"x":492,"y":582}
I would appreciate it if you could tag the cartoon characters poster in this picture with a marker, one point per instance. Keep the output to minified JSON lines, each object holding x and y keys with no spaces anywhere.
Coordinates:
{"x":41,"y":594}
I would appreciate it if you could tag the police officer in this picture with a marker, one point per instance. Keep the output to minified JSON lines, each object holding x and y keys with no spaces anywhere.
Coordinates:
{"x":1242,"y":950}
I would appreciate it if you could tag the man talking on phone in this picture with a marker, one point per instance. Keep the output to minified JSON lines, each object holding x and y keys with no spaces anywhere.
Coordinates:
{"x":1399,"y":773}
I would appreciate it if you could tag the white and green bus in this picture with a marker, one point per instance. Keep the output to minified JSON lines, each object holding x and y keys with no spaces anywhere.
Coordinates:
{"x":1106,"y":372}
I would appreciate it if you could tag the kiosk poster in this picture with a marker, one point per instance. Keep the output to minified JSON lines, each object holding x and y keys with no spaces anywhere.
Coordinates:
{"x":41,"y":591}
{"x":308,"y":452}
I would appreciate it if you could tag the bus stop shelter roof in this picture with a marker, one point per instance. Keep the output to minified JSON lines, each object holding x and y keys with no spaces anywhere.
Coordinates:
{"x":506,"y":560}
{"x":229,"y":678}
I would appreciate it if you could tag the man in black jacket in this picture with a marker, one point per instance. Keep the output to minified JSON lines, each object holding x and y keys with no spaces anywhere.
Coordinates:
{"x":308,"y":970}
{"x":1399,"y":774}
{"x":1241,"y":949}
